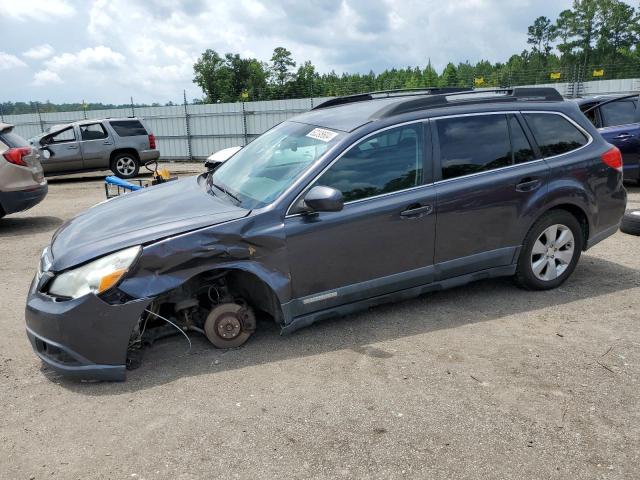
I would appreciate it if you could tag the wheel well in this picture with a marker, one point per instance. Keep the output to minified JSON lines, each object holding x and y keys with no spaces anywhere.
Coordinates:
{"x":131,"y":151}
{"x":580,"y":216}
{"x":257,"y":293}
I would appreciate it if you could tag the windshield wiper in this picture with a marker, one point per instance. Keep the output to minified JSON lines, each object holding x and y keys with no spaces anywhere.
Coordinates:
{"x":226,"y":192}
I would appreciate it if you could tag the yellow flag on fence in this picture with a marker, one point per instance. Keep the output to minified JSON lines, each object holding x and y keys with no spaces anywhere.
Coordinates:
{"x":598,"y":73}
{"x":478,"y":81}
{"x":554,"y":75}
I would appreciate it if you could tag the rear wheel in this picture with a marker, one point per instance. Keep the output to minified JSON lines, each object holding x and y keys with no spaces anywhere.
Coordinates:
{"x":550,"y":252}
{"x":125,"y":165}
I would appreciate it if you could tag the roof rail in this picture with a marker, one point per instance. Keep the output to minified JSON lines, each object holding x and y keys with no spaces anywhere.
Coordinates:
{"x":402,"y":92}
{"x":532,"y":94}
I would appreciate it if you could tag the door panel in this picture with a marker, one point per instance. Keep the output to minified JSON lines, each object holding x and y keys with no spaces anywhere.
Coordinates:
{"x":96,"y":146}
{"x":65,"y":153}
{"x":490,"y":184}
{"x":383,"y":239}
{"x":486,"y":213}
{"x":369,"y":239}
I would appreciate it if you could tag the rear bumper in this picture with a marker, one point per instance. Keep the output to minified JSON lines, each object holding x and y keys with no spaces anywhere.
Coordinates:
{"x":148,"y":155}
{"x":13,"y":202}
{"x":83,"y":337}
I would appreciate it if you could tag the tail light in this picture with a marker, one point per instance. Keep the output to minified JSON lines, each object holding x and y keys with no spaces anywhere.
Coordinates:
{"x":16,"y":155}
{"x":152,"y":141}
{"x":613,"y":158}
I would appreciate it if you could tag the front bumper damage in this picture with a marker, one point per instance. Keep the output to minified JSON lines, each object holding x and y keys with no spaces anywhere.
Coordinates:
{"x":85,"y":337}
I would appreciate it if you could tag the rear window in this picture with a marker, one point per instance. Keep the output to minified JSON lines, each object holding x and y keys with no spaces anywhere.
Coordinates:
{"x":128,"y":128}
{"x":554,"y":133}
{"x":13,"y":140}
{"x":619,"y":113}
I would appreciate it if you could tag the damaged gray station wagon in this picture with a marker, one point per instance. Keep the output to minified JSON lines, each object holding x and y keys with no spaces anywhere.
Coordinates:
{"x":364,"y":200}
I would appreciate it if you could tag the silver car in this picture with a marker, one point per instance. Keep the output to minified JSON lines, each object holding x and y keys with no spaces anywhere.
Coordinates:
{"x":22,"y":183}
{"x":119,"y":144}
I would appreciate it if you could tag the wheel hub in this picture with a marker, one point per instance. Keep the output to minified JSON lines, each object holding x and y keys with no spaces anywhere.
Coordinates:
{"x":229,"y":326}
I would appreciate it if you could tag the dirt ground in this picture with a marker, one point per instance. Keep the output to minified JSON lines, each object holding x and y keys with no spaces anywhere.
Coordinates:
{"x":485,"y":381}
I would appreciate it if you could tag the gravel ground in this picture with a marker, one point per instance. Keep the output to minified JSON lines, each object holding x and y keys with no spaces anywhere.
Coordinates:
{"x":483,"y":381}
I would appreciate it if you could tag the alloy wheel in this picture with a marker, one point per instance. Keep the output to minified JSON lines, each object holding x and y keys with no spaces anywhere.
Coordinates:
{"x":126,"y":166}
{"x":552,"y":252}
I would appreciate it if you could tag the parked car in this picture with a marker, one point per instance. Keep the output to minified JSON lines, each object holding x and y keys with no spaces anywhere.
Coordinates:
{"x":119,"y":144}
{"x":617,"y":118}
{"x":216,"y":159}
{"x":22,"y":182}
{"x":361,"y":201}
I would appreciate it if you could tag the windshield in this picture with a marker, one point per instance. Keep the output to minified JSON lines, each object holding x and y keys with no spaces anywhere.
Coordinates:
{"x":261,"y":171}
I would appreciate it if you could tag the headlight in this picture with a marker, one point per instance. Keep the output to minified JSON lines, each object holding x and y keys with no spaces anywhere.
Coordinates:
{"x":97,"y":276}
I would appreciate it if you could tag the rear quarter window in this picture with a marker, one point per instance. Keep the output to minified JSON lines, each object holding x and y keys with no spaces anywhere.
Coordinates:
{"x":128,"y":128}
{"x":554,"y":134}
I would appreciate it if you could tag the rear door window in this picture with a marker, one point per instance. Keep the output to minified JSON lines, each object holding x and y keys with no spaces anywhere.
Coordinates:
{"x":554,"y":134}
{"x":619,"y":113}
{"x":522,"y":151}
{"x":128,"y":128}
{"x":387,"y":162}
{"x":473,"y":144}
{"x":93,"y":131}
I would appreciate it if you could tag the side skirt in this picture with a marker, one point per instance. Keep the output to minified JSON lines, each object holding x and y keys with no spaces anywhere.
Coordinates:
{"x":349,"y":308}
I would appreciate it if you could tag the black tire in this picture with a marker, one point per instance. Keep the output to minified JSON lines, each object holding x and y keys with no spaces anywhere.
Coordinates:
{"x":125,"y":165}
{"x":525,"y":276}
{"x":631,"y":222}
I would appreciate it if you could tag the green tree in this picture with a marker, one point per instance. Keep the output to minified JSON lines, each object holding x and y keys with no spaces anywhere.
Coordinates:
{"x":281,"y":65}
{"x":449,"y":77}
{"x":540,"y":35}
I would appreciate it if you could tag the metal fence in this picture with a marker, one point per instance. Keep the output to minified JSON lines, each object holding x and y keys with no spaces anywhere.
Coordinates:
{"x":194,"y":131}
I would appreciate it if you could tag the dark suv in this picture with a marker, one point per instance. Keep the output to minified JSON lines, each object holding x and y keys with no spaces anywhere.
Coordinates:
{"x":363,"y":200}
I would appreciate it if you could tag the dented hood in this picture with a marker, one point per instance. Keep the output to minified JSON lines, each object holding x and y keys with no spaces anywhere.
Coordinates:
{"x":138,"y":218}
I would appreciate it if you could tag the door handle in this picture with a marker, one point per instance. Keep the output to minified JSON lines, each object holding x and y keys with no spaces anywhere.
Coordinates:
{"x":72,"y":147}
{"x":416,"y":210}
{"x":622,"y":136}
{"x":107,"y":142}
{"x":528,"y":184}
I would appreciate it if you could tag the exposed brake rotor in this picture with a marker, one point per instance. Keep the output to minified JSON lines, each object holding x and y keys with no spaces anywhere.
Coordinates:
{"x":229,"y":325}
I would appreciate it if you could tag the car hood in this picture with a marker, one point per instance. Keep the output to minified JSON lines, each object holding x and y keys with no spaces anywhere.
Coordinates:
{"x":137,"y":218}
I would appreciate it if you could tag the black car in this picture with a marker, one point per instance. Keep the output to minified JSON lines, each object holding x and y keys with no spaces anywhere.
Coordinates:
{"x":617,"y":118}
{"x":363,"y":200}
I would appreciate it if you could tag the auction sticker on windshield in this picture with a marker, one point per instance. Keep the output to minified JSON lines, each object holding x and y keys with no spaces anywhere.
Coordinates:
{"x":322,"y":134}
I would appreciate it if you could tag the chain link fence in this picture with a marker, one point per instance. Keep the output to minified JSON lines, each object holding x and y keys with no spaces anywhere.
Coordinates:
{"x":193,"y":130}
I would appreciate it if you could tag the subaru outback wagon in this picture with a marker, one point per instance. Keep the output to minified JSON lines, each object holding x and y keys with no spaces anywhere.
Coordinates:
{"x":363,"y":200}
{"x":118,"y":144}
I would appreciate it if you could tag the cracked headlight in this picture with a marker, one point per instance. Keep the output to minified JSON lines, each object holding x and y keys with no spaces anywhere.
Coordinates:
{"x":97,"y":276}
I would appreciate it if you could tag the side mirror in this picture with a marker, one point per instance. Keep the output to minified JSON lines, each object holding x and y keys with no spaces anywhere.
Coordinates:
{"x":323,"y":199}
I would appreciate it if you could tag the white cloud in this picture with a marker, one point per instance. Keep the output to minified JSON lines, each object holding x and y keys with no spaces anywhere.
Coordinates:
{"x":45,"y":77}
{"x":38,"y":10}
{"x":40,"y":52}
{"x":9,"y":62}
{"x":98,"y":58}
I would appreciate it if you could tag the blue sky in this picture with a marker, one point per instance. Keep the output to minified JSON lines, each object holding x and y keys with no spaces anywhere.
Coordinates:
{"x":109,"y":50}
